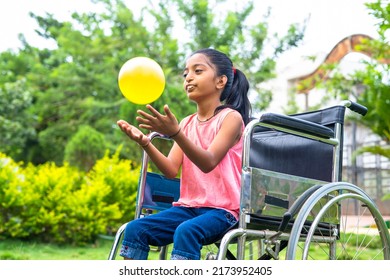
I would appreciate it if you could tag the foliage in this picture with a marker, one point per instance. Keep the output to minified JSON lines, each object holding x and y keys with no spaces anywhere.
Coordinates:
{"x":244,"y":43}
{"x":84,"y":148}
{"x":376,"y":97}
{"x":121,"y":176}
{"x":61,"y":204}
{"x":370,"y":86}
{"x":75,"y":84}
{"x":16,"y":123}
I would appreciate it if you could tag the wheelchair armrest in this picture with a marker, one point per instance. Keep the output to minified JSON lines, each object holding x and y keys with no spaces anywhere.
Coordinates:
{"x":296,"y":124}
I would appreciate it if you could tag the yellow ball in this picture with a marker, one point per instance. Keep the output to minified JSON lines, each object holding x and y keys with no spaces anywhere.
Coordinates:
{"x":141,"y":80}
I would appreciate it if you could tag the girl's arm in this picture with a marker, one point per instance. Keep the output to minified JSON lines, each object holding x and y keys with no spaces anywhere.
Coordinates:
{"x":205,"y":160}
{"x":168,"y":165}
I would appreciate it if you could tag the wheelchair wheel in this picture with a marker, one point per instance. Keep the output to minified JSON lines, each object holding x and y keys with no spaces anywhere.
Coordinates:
{"x":339,"y":222}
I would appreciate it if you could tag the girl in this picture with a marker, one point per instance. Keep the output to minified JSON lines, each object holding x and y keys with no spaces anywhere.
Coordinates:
{"x":207,"y":148}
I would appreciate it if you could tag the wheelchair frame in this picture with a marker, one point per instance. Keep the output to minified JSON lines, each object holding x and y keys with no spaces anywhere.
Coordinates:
{"x":287,"y":210}
{"x":302,"y":225}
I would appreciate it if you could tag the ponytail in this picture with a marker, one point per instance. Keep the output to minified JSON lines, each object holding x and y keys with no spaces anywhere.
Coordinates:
{"x":235,"y":93}
{"x":237,"y":98}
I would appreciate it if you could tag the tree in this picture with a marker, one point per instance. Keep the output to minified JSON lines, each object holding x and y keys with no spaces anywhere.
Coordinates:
{"x":16,"y":123}
{"x":243,"y":42}
{"x":373,"y":81}
{"x":85,"y":148}
{"x":75,"y":84}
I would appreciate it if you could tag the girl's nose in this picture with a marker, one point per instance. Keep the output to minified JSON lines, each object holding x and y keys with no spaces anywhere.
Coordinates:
{"x":189,"y":77}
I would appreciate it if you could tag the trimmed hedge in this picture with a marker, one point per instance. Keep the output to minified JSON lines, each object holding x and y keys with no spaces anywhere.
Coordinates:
{"x":62,"y":204}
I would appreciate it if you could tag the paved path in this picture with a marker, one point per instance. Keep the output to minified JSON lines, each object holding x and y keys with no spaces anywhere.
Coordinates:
{"x":363,"y":221}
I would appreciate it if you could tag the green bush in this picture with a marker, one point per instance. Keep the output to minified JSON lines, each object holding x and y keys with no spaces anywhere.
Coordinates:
{"x":122,"y":179}
{"x":11,"y":201}
{"x":62,"y":204}
{"x":85,"y":148}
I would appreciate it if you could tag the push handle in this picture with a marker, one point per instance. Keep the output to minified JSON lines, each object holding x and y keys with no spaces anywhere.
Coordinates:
{"x":356,"y":107}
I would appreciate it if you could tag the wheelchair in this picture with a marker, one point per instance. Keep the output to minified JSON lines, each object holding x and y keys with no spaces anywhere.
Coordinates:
{"x":293,"y":202}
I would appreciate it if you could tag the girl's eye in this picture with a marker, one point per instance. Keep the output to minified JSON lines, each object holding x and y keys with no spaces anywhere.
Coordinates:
{"x":196,"y":71}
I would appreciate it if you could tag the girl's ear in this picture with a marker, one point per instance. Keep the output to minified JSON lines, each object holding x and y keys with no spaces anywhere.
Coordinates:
{"x":221,"y":82}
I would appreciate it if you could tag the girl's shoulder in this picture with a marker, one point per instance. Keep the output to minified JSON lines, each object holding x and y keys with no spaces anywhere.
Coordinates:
{"x":226,"y":111}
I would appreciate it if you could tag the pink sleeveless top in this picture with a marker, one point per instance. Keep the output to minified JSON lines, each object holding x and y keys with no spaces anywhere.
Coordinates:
{"x":219,"y":188}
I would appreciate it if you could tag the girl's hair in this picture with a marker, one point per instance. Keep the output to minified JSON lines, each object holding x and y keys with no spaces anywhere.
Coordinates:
{"x":235,"y":93}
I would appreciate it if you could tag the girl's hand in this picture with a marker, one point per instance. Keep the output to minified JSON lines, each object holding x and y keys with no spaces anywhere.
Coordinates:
{"x":134,"y":133}
{"x":166,"y":124}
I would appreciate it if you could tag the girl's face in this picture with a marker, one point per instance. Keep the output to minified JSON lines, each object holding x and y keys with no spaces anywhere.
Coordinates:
{"x":200,"y":80}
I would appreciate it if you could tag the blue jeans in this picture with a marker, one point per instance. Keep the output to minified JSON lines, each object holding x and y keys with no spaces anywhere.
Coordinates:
{"x":187,"y":228}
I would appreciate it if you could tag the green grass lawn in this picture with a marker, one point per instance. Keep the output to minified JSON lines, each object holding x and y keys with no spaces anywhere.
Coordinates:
{"x":23,"y":250}
{"x":13,"y":249}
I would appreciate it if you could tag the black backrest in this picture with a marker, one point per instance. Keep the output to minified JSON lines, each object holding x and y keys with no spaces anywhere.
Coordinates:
{"x":295,"y":155}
